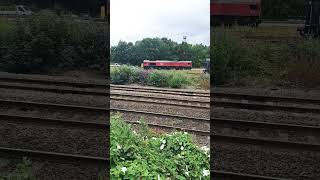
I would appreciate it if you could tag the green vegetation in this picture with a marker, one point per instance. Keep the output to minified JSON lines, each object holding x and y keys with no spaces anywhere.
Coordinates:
{"x":22,"y":172}
{"x":158,"y":49}
{"x":47,"y":42}
{"x":260,"y":57}
{"x":159,"y":78}
{"x":145,"y":155}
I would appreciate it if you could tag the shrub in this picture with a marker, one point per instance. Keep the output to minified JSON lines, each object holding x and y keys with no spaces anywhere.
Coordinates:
{"x":204,"y":81}
{"x":158,"y":78}
{"x":178,"y":80}
{"x":143,"y":156}
{"x":48,"y":42}
{"x":124,"y":74}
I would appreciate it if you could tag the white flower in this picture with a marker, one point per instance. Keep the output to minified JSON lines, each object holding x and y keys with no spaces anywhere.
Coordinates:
{"x":118,"y":146}
{"x":124,"y":169}
{"x":206,"y":172}
{"x":187,"y":173}
{"x":205,"y":148}
{"x":163,"y":141}
{"x":185,"y":133}
{"x":154,"y":138}
{"x":182,"y":148}
{"x":209,"y":156}
{"x":162,"y":146}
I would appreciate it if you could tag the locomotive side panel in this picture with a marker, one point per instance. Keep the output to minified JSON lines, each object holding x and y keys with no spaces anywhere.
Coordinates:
{"x":242,"y":12}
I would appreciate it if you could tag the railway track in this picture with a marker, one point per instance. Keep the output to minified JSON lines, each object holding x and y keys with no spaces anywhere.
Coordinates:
{"x":224,"y":175}
{"x":57,"y":165}
{"x":194,"y":103}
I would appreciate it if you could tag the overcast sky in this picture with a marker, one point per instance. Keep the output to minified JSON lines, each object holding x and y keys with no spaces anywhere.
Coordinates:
{"x":133,"y":20}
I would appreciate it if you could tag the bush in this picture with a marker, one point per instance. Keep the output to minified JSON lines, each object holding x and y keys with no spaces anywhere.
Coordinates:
{"x":178,"y":80}
{"x":124,"y":74}
{"x":48,"y":42}
{"x":143,"y":156}
{"x":158,"y":78}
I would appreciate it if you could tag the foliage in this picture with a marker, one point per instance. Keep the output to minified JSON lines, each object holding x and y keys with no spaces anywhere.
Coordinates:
{"x":156,"y":48}
{"x":22,"y":172}
{"x":124,"y":74}
{"x":243,"y":61}
{"x":160,"y":78}
{"x":144,"y":156}
{"x":48,"y":42}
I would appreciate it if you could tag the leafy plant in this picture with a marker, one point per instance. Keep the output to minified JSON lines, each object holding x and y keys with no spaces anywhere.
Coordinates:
{"x":145,"y":156}
{"x":22,"y":172}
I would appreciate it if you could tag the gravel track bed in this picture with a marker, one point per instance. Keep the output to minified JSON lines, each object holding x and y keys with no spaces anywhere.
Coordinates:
{"x":29,"y":84}
{"x":54,"y":114}
{"x":157,"y":108}
{"x":47,"y":97}
{"x":53,"y":78}
{"x":307,"y":119}
{"x":296,"y":93}
{"x":200,"y":140}
{"x":170,"y":101}
{"x":162,"y":95}
{"x":57,"y":170}
{"x":271,"y":103}
{"x":266,"y":161}
{"x":91,"y":142}
{"x":161,"y":120}
{"x":263,"y":133}
{"x":157,"y":88}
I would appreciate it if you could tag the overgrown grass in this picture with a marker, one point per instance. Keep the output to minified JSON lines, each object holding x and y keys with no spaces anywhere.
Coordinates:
{"x":159,"y":78}
{"x":23,"y":171}
{"x":143,"y":155}
{"x":242,"y":61}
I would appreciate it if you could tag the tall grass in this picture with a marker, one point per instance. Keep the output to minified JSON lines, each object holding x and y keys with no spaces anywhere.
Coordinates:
{"x":241,"y":61}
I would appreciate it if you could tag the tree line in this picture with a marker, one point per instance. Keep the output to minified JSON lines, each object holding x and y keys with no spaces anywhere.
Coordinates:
{"x":158,"y":49}
{"x":284,"y":9}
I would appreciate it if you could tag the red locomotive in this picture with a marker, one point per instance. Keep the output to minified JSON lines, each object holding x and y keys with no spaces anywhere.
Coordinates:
{"x":167,"y":64}
{"x":241,"y":12}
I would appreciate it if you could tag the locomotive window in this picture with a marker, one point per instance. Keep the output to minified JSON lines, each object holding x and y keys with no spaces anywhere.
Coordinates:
{"x":253,"y":7}
{"x":152,"y":64}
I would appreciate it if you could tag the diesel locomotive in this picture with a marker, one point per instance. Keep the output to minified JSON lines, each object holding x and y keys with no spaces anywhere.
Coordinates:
{"x":178,"y":65}
{"x":240,"y":12}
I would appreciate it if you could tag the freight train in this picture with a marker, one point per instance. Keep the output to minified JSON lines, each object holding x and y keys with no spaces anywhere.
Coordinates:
{"x":311,"y":28}
{"x":178,"y":65}
{"x":240,"y":12}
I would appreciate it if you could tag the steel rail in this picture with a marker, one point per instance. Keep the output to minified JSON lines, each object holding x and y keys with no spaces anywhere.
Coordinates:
{"x":161,"y":91}
{"x":264,"y":107}
{"x":104,"y":94}
{"x":232,"y":175}
{"x":54,"y":122}
{"x":264,"y":142}
{"x":52,"y":155}
{"x":55,"y":82}
{"x":265,"y":125}
{"x":221,"y":94}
